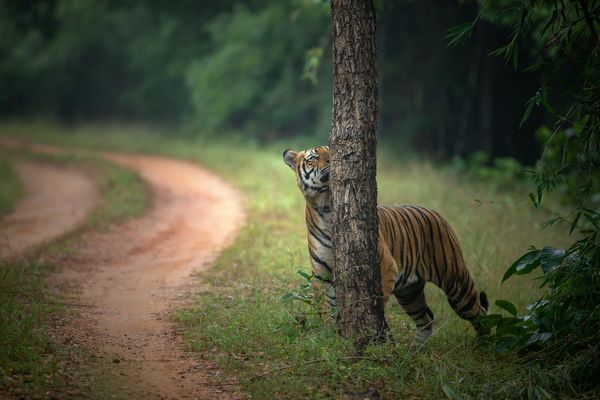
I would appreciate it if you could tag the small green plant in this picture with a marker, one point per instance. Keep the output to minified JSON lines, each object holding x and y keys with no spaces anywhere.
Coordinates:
{"x":563,"y":324}
{"x":305,"y":292}
{"x":309,"y":314}
{"x":531,"y":329}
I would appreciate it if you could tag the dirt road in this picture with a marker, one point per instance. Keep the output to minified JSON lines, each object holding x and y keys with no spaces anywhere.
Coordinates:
{"x":55,"y":201}
{"x":131,"y":277}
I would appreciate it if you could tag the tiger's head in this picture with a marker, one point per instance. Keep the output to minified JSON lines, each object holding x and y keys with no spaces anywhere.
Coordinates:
{"x":312,"y":169}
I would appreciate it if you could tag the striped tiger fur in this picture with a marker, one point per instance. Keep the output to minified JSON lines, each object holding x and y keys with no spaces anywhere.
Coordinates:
{"x":416,"y":245}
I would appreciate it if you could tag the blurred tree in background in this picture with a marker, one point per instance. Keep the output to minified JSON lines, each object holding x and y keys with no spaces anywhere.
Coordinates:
{"x":450,"y":101}
{"x":99,"y":59}
{"x":250,"y":78}
{"x":261,"y":69}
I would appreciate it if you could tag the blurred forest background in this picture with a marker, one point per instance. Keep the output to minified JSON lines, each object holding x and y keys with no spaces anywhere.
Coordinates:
{"x":262,"y":69}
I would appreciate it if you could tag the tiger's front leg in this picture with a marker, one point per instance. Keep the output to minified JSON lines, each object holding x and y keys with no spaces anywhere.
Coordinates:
{"x":324,"y":290}
{"x":332,"y":312}
{"x":321,"y":258}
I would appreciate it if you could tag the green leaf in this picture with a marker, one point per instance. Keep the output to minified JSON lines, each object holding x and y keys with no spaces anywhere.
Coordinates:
{"x":306,"y":276}
{"x":547,"y":105}
{"x":551,"y":258}
{"x":287,"y":297}
{"x":451,"y":392}
{"x":551,"y":222}
{"x":490,"y":320}
{"x":533,"y":201}
{"x":551,"y":20}
{"x":509,"y":329}
{"x":515,"y":55}
{"x":527,"y":263}
{"x":505,"y":344}
{"x":460,"y":33}
{"x":592,"y":217}
{"x":507,"y":306}
{"x":528,"y":109}
{"x":503,"y":51}
{"x":538,"y":337}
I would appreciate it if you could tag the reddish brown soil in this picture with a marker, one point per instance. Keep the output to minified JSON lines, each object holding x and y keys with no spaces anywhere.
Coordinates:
{"x":55,"y":201}
{"x":131,"y":277}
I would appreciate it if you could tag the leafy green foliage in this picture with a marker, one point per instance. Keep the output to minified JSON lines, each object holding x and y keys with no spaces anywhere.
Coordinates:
{"x":549,"y":259}
{"x":202,"y":66}
{"x":247,"y":85}
{"x":458,"y":34}
{"x":305,"y":291}
{"x":563,"y":40}
{"x":540,"y":97}
{"x":259,"y":69}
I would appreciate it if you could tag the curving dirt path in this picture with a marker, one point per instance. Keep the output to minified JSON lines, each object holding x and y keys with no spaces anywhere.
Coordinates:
{"x":55,"y":200}
{"x":131,"y":277}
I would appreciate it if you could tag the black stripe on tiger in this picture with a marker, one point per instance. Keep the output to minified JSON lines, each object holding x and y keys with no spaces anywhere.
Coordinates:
{"x":319,"y":261}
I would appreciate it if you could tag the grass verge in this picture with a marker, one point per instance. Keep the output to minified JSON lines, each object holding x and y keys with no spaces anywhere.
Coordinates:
{"x":285,"y":350}
{"x":27,"y":362}
{"x":123,"y":195}
{"x":31,"y":364}
{"x":10,"y":189}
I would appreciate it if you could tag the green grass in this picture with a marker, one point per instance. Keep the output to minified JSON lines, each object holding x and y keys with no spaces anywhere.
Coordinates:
{"x":26,"y":356}
{"x":10,"y":189}
{"x":124,"y":195}
{"x":29,"y":358}
{"x":253,"y":332}
{"x":283,"y":350}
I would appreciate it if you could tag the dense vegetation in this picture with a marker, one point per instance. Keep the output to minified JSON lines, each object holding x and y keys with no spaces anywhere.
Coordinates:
{"x":261,"y":69}
{"x":563,"y":42}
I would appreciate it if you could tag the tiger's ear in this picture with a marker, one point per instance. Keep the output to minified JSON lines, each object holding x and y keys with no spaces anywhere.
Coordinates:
{"x":289,"y":157}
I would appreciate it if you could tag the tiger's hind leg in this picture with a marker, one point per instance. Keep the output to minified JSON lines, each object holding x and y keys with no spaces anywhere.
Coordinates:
{"x":469,"y":305}
{"x":412,"y":299}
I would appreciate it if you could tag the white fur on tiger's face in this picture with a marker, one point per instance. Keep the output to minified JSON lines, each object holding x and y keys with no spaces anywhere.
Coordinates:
{"x":311,"y":168}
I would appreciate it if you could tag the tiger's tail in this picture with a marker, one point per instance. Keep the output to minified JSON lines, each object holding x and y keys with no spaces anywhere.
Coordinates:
{"x":483,"y":300}
{"x":480,"y":327}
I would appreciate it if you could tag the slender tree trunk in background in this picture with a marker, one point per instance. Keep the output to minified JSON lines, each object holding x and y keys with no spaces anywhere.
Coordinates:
{"x":460,"y":144}
{"x":487,"y":140}
{"x":356,"y":274}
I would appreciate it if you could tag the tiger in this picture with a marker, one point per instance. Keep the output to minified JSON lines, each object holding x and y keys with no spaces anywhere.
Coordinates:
{"x":416,"y":245}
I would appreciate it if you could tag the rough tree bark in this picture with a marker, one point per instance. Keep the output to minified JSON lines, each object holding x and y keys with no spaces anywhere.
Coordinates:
{"x":356,"y":274}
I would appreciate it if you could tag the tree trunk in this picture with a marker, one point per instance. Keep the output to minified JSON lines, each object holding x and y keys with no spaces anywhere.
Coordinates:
{"x":487,"y":139}
{"x":356,"y":274}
